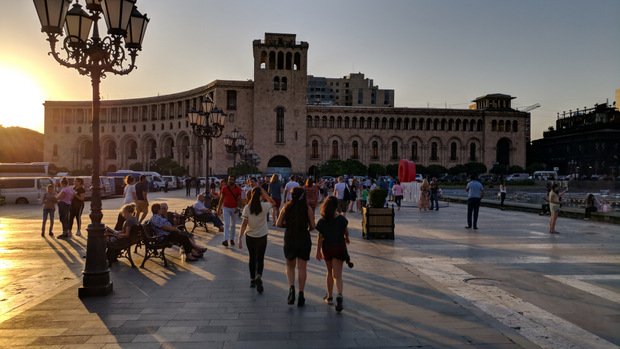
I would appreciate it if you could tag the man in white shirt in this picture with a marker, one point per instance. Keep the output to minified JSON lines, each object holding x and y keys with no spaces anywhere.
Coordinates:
{"x":204,"y":214}
{"x":339,"y":189}
{"x":289,"y":186}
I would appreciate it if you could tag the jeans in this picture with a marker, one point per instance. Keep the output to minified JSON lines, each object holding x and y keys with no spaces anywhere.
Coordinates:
{"x":76,"y":212}
{"x":502,"y":198}
{"x":256,"y":250}
{"x":63,"y":215}
{"x":397,"y":199}
{"x":434,"y":202}
{"x":207,"y":217}
{"x":589,"y":211}
{"x":473,"y":206}
{"x":230,"y":222}
{"x":46,"y":212}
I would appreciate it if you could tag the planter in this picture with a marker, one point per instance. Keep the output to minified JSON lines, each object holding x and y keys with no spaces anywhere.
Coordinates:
{"x":377,"y":223}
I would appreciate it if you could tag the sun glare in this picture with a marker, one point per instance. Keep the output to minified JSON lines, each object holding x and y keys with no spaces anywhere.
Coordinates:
{"x":21,"y":99}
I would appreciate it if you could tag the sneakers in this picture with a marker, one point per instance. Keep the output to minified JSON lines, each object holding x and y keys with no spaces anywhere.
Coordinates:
{"x":339,"y":303}
{"x":302,"y":300}
{"x":51,"y":234}
{"x":63,"y":236}
{"x":259,"y":284}
{"x":78,"y":233}
{"x":328,"y":300}
{"x":252,"y":283}
{"x":232,"y":242}
{"x":291,"y":295}
{"x":42,"y":234}
{"x":225,"y":243}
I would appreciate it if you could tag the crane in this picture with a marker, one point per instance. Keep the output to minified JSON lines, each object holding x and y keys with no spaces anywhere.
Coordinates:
{"x":531,"y":107}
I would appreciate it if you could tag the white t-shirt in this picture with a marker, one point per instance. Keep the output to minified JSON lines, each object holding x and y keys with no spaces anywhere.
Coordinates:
{"x":127,"y":194}
{"x":287,"y":190}
{"x":339,"y":188}
{"x":257,"y":224}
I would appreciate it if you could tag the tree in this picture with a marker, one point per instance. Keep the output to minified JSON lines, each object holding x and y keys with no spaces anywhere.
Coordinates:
{"x":516,"y":169}
{"x":354,"y":168}
{"x":475,"y":168}
{"x":242,"y":168}
{"x":436,"y":170}
{"x":457,"y":170}
{"x":392,"y":170}
{"x":499,"y":170}
{"x":332,"y":168}
{"x":136,"y":166}
{"x":375,"y":170}
{"x":537,"y":166}
{"x":421,"y":169}
{"x":164,"y":166}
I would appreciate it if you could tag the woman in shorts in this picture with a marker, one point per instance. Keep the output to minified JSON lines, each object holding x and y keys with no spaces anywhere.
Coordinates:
{"x":554,"y":206}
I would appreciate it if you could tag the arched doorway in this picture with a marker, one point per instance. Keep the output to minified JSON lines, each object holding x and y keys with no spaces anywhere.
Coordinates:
{"x":503,"y":151}
{"x":279,"y":164}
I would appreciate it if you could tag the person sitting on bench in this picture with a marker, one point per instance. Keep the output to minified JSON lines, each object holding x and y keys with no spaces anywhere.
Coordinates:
{"x":162,"y":228}
{"x":203,"y":213}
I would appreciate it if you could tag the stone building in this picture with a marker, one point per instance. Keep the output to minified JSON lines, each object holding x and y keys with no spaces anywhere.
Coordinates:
{"x":289,"y":132}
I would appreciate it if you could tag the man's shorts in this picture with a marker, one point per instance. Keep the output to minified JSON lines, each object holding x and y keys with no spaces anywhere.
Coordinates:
{"x":142,"y":206}
{"x":342,"y":205}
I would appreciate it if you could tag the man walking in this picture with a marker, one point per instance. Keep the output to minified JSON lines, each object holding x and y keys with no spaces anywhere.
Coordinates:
{"x":434,"y":193}
{"x":475,"y":193}
{"x":289,"y":186}
{"x":142,"y":205}
{"x":228,"y":206}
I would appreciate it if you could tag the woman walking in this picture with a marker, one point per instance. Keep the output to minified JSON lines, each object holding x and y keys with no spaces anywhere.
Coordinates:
{"x":254,"y":227}
{"x":332,"y":247}
{"x":298,"y":219}
{"x":77,"y":205}
{"x":312,"y":194}
{"x":554,"y":206}
{"x":49,"y":207}
{"x":275,"y":190}
{"x":502,"y":195}
{"x":425,"y":196}
{"x":64,"y":207}
{"x":397,"y":189}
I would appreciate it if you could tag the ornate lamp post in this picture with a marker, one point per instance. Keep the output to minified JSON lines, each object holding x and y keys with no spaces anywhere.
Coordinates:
{"x":207,"y":123}
{"x":94,"y":57}
{"x":251,"y":157}
{"x":235,"y":144}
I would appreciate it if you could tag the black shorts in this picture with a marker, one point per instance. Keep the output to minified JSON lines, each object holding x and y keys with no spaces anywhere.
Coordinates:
{"x":335,"y":251}
{"x":298,"y":248}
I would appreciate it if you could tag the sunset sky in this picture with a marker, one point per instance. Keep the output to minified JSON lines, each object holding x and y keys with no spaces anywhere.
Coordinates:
{"x":561,"y":54}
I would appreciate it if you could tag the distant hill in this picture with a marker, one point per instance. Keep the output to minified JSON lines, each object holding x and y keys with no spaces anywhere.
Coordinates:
{"x":18,"y":144}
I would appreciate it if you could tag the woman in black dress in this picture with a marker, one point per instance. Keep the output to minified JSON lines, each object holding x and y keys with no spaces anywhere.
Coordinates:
{"x":297,"y":218}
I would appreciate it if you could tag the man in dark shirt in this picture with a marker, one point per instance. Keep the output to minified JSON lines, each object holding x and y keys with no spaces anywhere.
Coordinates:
{"x":188,"y":186}
{"x":142,"y":207}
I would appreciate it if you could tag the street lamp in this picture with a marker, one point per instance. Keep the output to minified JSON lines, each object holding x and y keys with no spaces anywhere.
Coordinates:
{"x":251,"y":157}
{"x":94,"y":57}
{"x":235,"y":144}
{"x":207,"y":123}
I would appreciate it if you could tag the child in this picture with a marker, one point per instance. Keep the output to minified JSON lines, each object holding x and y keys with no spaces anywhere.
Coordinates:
{"x":364,"y":196}
{"x":49,"y":206}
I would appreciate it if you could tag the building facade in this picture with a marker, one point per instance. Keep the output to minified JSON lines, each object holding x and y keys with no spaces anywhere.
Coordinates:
{"x":290,"y":132}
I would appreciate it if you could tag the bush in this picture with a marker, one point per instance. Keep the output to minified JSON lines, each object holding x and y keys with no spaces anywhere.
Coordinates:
{"x":377,"y":197}
{"x":375,"y":170}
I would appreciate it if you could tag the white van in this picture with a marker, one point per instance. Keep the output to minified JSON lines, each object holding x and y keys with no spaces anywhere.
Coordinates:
{"x":172,"y":181}
{"x":545,"y":175}
{"x":155,"y":178}
{"x":515,"y":177}
{"x":24,"y":190}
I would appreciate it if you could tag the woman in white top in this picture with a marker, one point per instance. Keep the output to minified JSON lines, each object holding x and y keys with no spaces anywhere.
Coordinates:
{"x":254,"y":226}
{"x":502,"y":194}
{"x":129,"y":197}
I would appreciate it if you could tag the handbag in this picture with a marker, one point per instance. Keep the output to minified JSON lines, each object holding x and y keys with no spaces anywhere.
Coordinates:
{"x":347,"y":194}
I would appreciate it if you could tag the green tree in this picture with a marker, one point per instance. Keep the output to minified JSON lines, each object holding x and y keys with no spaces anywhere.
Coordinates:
{"x":475,"y":168}
{"x":421,"y":169}
{"x":537,"y":166}
{"x":436,"y":170}
{"x":354,"y":167}
{"x":332,"y":168}
{"x":499,"y":170}
{"x":242,"y":168}
{"x":375,"y":170}
{"x":136,"y":166}
{"x":515,"y":169}
{"x":392,"y":170}
{"x":457,"y":170}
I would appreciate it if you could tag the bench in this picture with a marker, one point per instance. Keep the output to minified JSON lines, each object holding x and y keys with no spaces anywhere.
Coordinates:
{"x":122,"y":247}
{"x":190,"y":216}
{"x":154,"y":246}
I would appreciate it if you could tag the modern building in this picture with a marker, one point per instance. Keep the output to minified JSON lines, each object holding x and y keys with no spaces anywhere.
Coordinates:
{"x":583,"y":143}
{"x":277,"y":112}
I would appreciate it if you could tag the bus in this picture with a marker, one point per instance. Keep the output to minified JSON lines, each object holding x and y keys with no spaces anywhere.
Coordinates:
{"x":28,"y":169}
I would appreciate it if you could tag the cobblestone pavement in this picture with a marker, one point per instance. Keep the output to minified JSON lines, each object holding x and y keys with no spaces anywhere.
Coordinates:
{"x":509,"y":284}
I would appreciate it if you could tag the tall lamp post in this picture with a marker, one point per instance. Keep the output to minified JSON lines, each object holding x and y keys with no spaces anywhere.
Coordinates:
{"x":207,"y":123}
{"x":235,"y":144}
{"x":251,"y":157}
{"x":94,"y":57}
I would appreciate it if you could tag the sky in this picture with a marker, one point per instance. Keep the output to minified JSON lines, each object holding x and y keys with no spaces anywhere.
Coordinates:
{"x":563,"y":54}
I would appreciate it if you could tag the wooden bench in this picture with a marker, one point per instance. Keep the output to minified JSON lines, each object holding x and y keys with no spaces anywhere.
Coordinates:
{"x":122,"y":247}
{"x":190,"y":216}
{"x":154,"y":246}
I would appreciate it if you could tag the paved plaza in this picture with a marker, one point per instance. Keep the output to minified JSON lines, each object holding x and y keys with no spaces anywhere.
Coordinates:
{"x":509,"y":284}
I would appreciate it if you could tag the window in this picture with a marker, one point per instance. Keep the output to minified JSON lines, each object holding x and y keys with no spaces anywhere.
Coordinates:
{"x":386,"y":101}
{"x":373,"y":96}
{"x":434,"y":151}
{"x":276,"y":83}
{"x":494,"y":125}
{"x":355,"y":150}
{"x":55,"y":151}
{"x":315,"y":149}
{"x":414,"y":151}
{"x":347,"y":122}
{"x":394,"y":150}
{"x":375,"y":151}
{"x":284,"y":81}
{"x":453,"y":151}
{"x":472,"y":152}
{"x":354,"y":123}
{"x":339,"y":122}
{"x":335,"y":150}
{"x":316,"y":121}
{"x":231,"y":99}
{"x":515,"y":127}
{"x":324,"y":122}
{"x":360,"y":96}
{"x":309,"y":121}
{"x":331,"y":121}
{"x":280,"y":125}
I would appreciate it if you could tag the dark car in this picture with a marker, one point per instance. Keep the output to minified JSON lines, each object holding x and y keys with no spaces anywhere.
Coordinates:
{"x":486,"y":178}
{"x":448,"y":178}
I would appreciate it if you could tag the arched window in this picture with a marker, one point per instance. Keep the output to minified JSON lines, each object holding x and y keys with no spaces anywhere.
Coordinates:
{"x":436,"y":125}
{"x":376,"y":123}
{"x":280,"y":60}
{"x":317,"y":121}
{"x":355,"y":150}
{"x":414,"y":151}
{"x":494,"y":125}
{"x":272,"y":60}
{"x":472,"y":125}
{"x":284,"y":81}
{"x":324,"y":122}
{"x":369,"y":123}
{"x":354,"y":122}
{"x":289,"y":61}
{"x":335,"y":150}
{"x":347,"y":122}
{"x":399,"y":124}
{"x":434,"y":151}
{"x":361,"y":123}
{"x":508,"y":126}
{"x":276,"y":83}
{"x":465,"y":125}
{"x":297,"y":61}
{"x":339,"y":122}
{"x":315,"y":149}
{"x":500,"y":126}
{"x":309,"y":121}
{"x":515,"y":127}
{"x":429,"y":125}
{"x":383,"y":123}
{"x":480,"y":125}
{"x":472,"y":152}
{"x":458,"y":125}
{"x":391,"y":125}
{"x":421,"y":124}
{"x":394,"y":150}
{"x":406,"y":124}
{"x":453,"y":151}
{"x":332,"y":121}
{"x":375,"y":150}
{"x":280,"y":125}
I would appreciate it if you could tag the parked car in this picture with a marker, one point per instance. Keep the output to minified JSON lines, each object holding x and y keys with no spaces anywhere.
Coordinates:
{"x":172,"y":181}
{"x":448,"y":178}
{"x":418,"y":177}
{"x":24,"y":190}
{"x":486,"y":178}
{"x":516,"y":177}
